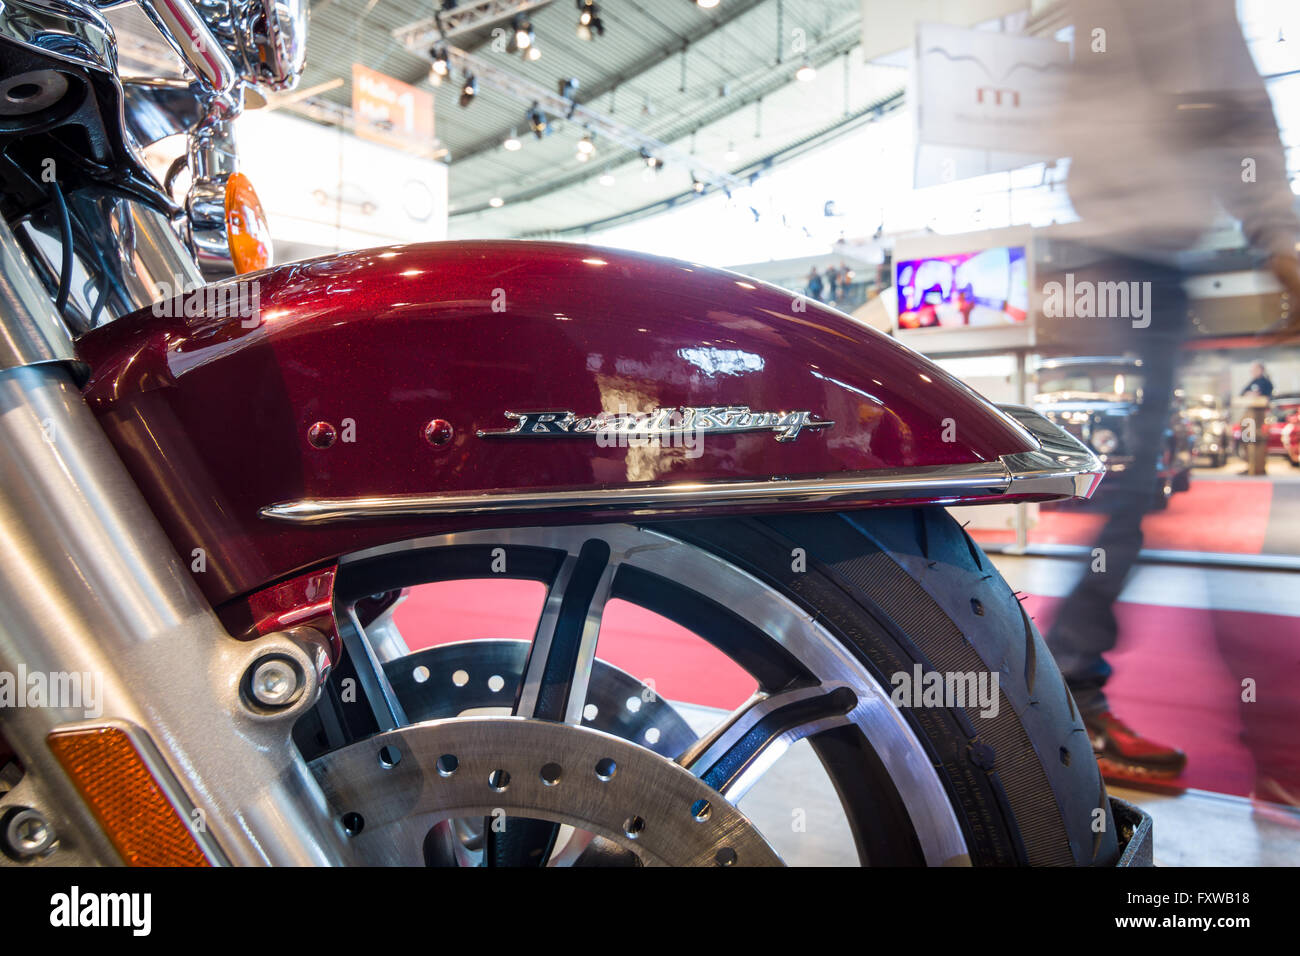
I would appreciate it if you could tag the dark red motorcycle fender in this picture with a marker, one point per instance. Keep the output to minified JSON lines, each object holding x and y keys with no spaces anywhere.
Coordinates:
{"x":213,"y":412}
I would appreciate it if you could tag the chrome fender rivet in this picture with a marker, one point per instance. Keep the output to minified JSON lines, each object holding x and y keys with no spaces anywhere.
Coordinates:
{"x":438,"y":432}
{"x":274,"y":682}
{"x":28,"y":834}
{"x":321,"y":435}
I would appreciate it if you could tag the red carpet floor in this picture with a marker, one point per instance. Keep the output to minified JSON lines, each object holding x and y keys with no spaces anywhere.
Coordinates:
{"x":1178,"y":678}
{"x":1229,"y":516}
{"x":1178,"y":671}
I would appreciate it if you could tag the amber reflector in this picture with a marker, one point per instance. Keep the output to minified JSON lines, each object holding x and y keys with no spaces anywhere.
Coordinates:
{"x":247,"y":231}
{"x":125,"y":798}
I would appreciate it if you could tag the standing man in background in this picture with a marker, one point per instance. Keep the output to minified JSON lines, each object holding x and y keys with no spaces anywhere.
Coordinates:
{"x":1260,"y":384}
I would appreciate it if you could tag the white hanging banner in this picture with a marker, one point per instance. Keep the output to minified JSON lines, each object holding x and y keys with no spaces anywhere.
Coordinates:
{"x":984,"y":101}
{"x":890,"y":25}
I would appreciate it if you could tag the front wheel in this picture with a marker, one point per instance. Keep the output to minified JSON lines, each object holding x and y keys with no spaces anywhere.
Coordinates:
{"x":883,"y":638}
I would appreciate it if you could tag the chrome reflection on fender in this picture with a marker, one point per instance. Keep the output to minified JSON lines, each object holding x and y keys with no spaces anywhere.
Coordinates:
{"x":1061,"y":467}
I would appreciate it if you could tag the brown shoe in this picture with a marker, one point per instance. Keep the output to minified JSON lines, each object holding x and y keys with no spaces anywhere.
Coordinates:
{"x":1123,"y":752}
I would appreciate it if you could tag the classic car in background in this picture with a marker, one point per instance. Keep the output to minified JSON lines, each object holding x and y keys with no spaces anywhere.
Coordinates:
{"x":1095,"y":399}
{"x":1280,"y":409}
{"x":1207,"y":425}
{"x":1291,"y":438}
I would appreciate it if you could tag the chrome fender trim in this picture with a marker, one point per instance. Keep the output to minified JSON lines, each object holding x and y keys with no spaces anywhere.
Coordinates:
{"x":1062,"y":467}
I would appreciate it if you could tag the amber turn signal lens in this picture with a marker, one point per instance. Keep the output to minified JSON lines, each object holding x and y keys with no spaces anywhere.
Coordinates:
{"x":143,"y":825}
{"x":247,"y":231}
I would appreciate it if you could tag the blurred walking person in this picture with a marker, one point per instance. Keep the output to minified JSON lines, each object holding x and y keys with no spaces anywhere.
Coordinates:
{"x":1166,"y":122}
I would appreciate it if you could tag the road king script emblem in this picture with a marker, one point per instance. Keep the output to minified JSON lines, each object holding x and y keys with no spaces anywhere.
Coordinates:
{"x":662,"y":423}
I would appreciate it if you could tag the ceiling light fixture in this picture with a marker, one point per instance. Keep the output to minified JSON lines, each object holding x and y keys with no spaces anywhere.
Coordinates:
{"x":569,"y":91}
{"x":537,"y":121}
{"x":469,"y":90}
{"x":589,"y":21}
{"x":524,"y":34}
{"x":441,"y":63}
{"x":496,"y":202}
{"x":806,"y":73}
{"x":512,"y":142}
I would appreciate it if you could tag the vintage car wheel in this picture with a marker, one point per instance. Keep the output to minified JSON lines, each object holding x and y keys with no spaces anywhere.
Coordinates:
{"x":824,"y":611}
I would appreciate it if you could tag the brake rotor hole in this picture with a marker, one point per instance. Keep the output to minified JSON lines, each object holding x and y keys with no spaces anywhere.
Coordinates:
{"x":421,"y":674}
{"x":460,"y":678}
{"x":551,"y":774}
{"x":353,"y":823}
{"x":652,"y":735}
{"x":701,"y":810}
{"x":725,"y":857}
{"x":634,"y":704}
{"x":447,"y":764}
{"x":498,"y":780}
{"x":633,"y":827}
{"x":590,"y":711}
{"x":606,"y":768}
{"x":389,"y":757}
{"x":495,"y":683}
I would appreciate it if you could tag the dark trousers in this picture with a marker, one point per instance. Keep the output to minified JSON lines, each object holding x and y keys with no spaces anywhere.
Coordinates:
{"x":1085,"y":627}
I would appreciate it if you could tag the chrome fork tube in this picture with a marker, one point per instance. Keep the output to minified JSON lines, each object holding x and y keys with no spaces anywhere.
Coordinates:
{"x":90,"y":584}
{"x":31,"y":332}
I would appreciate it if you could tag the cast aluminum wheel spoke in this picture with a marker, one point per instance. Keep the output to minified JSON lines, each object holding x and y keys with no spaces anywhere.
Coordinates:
{"x":734,"y":755}
{"x":554,"y":685}
{"x":804,"y":657}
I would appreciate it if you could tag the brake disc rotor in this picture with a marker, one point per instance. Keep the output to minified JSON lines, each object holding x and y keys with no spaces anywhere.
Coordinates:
{"x":450,"y":679}
{"x":389,"y":790}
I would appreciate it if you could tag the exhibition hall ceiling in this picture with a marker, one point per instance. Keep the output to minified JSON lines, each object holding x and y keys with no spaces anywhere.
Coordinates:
{"x":728,"y":85}
{"x":718,"y":82}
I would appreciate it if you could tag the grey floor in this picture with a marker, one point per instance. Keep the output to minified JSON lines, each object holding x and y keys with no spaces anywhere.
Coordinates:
{"x":794,"y":805}
{"x":796,"y":809}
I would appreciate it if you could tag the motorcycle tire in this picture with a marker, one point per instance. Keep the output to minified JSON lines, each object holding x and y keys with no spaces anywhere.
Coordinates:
{"x":901,"y":587}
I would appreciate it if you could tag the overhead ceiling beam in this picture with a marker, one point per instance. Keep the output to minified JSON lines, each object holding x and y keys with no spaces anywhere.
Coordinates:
{"x":845,"y":41}
{"x":446,"y":24}
{"x":730,"y":12}
{"x":527,"y":92}
{"x":869,"y":113}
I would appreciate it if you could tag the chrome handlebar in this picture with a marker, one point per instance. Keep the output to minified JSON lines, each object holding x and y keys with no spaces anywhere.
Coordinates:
{"x":229,"y":45}
{"x":189,"y":36}
{"x":226,"y":44}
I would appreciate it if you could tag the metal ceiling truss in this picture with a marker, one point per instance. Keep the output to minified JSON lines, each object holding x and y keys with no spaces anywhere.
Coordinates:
{"x":598,"y":124}
{"x":820,"y":58}
{"x":869,"y":113}
{"x":731,"y":13}
{"x":464,"y":18}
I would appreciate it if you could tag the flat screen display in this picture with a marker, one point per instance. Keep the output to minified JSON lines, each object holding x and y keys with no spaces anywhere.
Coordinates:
{"x":967,"y":289}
